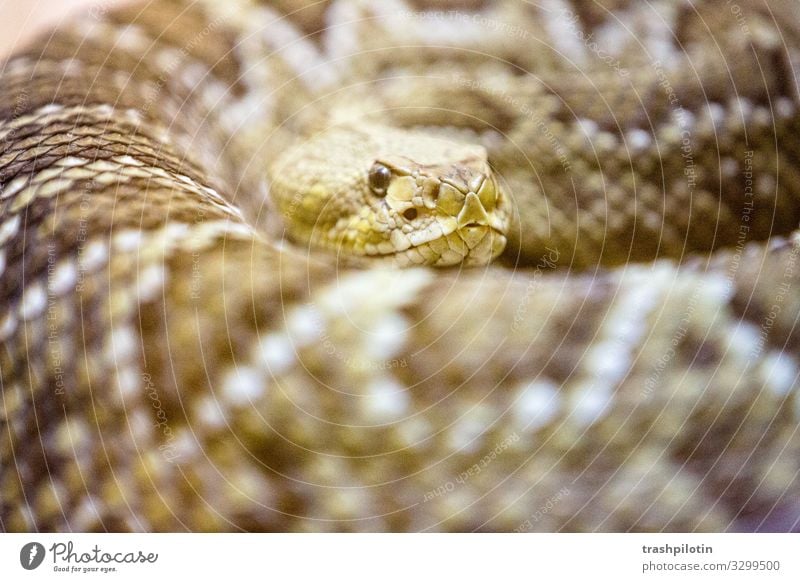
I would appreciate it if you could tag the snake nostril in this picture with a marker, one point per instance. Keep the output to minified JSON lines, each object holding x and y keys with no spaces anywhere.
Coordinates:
{"x":410,"y":214}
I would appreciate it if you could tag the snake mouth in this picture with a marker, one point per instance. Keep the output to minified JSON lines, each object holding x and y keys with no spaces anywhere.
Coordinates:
{"x":471,"y":245}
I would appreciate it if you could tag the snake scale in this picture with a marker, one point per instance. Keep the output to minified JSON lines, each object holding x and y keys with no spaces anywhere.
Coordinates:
{"x":206,"y":208}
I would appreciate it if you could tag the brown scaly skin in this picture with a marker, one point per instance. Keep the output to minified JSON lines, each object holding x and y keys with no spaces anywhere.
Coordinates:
{"x":165,"y":365}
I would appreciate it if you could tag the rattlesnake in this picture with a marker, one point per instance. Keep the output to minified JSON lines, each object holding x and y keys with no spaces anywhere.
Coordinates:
{"x":178,"y":353}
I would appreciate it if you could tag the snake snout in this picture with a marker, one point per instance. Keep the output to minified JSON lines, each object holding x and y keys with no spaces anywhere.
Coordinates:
{"x":473,"y":213}
{"x":478,"y":200}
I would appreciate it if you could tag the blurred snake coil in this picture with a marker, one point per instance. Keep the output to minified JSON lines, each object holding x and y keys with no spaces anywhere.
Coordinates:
{"x":402,"y":265}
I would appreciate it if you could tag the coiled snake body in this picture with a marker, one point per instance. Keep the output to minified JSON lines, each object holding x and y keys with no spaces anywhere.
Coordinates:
{"x":203,"y":211}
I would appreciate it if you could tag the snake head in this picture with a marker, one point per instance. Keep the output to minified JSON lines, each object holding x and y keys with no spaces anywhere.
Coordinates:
{"x":385,"y":194}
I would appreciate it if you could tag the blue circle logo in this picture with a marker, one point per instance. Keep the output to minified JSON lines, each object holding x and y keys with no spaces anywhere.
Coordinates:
{"x":31,"y":555}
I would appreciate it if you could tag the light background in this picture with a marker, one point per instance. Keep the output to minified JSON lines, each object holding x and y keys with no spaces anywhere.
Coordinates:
{"x":21,"y":20}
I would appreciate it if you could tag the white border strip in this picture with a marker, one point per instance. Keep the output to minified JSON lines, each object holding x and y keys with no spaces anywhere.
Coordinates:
{"x":407,"y":558}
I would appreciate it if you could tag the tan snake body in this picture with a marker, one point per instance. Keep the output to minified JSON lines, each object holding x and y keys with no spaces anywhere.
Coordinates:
{"x":173,"y":359}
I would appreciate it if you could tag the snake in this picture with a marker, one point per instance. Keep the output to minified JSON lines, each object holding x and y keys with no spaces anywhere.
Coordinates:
{"x":402,"y":265}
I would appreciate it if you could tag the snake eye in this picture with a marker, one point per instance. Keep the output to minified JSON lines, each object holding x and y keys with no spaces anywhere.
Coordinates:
{"x":379,"y":178}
